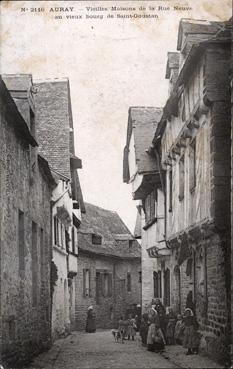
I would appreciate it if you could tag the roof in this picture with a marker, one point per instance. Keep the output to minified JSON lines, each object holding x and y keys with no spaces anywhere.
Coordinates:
{"x":53,"y":123}
{"x":45,"y":165}
{"x":14,"y":117}
{"x":196,"y":26}
{"x":142,"y":123}
{"x":223,"y":36}
{"x":115,"y":234}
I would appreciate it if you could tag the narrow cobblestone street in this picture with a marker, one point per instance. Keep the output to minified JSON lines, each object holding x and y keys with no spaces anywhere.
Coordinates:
{"x":99,"y":350}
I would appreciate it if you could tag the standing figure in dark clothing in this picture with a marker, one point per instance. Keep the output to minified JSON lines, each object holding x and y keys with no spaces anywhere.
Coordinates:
{"x":90,"y":324}
{"x":158,"y":306}
{"x":189,"y":302}
{"x":144,"y":328}
{"x":191,"y":339}
{"x":171,"y":322}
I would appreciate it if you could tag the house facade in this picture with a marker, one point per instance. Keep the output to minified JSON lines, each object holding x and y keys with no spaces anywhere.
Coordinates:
{"x":25,"y":227}
{"x":56,"y":140}
{"x":109,"y":268}
{"x":142,"y":170}
{"x":193,"y":137}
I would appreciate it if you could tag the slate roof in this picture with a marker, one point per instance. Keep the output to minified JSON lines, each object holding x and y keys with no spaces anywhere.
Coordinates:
{"x":142,"y":124}
{"x":14,"y":117}
{"x":53,"y":123}
{"x":110,"y":226}
{"x":193,"y":26}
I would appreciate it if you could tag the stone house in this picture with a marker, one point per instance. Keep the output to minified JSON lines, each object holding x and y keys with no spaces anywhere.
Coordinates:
{"x":26,"y":186}
{"x":109,"y":268}
{"x":56,"y":140}
{"x":193,"y":138}
{"x":142,"y":170}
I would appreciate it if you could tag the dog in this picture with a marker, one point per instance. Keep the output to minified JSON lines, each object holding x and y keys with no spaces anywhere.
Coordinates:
{"x":117,"y":335}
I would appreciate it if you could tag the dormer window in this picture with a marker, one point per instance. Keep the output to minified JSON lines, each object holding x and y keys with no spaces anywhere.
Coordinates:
{"x":96,"y":239}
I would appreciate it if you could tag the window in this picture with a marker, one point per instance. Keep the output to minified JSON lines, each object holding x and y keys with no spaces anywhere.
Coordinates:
{"x":61,"y":238}
{"x":103,"y":285}
{"x":130,"y":244}
{"x":67,"y":240}
{"x":86,"y":283}
{"x":73,"y":241}
{"x":55,"y":230}
{"x":170,"y":190}
{"x":192,"y":166}
{"x":96,"y":239}
{"x":98,"y":287}
{"x":34,"y":265}
{"x":157,"y":284}
{"x":181,"y":178}
{"x":139,"y":277}
{"x":150,"y":207}
{"x":128,"y":282}
{"x":167,"y":287}
{"x":21,"y":240}
{"x":107,"y":290}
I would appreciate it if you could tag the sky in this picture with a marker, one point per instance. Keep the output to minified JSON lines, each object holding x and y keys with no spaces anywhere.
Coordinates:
{"x":111,"y":64}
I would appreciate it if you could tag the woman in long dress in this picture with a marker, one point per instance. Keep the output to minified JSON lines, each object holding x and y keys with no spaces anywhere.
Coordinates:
{"x":191,"y":338}
{"x":155,"y":337}
{"x":90,"y":324}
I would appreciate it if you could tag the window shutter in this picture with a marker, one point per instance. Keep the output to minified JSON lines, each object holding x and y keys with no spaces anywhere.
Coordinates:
{"x":84,"y":282}
{"x":110,"y":285}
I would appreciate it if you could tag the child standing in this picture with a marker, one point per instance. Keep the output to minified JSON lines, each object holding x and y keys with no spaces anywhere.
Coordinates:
{"x":121,"y":329}
{"x":191,"y":340}
{"x":144,"y":328}
{"x":132,"y":327}
{"x":179,"y":328}
{"x":171,"y":322}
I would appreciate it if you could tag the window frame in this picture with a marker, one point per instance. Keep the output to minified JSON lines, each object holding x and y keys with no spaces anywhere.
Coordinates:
{"x":86,"y":290}
{"x":192,"y":165}
{"x":181,"y":178}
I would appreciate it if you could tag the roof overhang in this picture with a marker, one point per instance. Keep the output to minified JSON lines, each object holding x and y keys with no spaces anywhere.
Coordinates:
{"x":147,"y":184}
{"x":159,"y":251}
{"x":75,"y":162}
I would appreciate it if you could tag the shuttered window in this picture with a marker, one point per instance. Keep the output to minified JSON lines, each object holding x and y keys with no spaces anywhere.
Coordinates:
{"x":170,"y":184}
{"x":192,"y":165}
{"x":181,"y":178}
{"x":150,"y":207}
{"x":128,"y":282}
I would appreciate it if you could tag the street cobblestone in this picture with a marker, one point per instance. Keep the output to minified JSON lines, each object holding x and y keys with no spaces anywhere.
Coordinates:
{"x":99,"y":351}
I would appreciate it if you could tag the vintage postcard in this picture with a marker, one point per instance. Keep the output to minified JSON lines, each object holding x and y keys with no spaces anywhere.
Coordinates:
{"x":115,"y":184}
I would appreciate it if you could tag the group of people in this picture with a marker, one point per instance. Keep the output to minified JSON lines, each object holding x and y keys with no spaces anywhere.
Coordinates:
{"x":159,"y":328}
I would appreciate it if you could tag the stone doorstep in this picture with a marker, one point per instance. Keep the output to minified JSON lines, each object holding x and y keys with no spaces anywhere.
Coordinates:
{"x":177,"y":355}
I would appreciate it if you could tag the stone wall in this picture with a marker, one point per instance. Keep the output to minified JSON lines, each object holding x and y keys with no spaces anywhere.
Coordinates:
{"x":108,"y":309}
{"x":25,"y":284}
